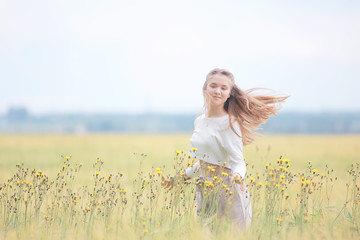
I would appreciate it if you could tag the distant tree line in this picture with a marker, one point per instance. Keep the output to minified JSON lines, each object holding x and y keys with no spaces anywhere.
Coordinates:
{"x":20,"y":121}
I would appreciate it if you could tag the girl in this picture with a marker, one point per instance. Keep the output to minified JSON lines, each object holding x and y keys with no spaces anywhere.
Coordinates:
{"x":230,"y":117}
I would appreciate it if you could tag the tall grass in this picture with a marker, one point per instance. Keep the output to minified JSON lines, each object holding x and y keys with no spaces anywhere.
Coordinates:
{"x":312,"y":200}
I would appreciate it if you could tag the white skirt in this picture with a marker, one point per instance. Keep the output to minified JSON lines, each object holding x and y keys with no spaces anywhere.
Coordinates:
{"x":223,"y":199}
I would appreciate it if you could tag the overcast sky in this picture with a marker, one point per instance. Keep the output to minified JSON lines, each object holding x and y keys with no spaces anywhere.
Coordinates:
{"x":153,"y":56}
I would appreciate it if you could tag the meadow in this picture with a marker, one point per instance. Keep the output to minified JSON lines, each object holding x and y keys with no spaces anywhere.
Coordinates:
{"x":107,"y":186}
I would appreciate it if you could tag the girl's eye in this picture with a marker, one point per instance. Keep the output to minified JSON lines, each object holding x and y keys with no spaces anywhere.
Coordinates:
{"x":223,"y":89}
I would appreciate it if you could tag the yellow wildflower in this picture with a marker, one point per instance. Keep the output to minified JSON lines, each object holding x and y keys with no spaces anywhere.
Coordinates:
{"x":238,"y":180}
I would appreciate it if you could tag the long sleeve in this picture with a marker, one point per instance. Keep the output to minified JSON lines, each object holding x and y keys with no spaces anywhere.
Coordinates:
{"x":234,"y":147}
{"x":193,"y":170}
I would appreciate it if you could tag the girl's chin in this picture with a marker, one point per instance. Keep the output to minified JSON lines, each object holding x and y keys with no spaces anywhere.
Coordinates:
{"x":216,"y":103}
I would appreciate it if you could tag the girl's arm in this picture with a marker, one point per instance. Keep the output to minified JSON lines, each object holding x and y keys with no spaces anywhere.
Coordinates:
{"x":234,"y":146}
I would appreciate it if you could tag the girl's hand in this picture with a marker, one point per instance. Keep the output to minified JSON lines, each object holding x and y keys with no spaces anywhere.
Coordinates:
{"x":236,"y":178}
{"x":168,"y":183}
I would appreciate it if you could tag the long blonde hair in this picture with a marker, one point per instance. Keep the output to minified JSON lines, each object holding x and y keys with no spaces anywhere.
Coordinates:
{"x":249,"y":110}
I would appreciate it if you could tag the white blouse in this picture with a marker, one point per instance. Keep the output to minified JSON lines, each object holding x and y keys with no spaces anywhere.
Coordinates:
{"x":217,"y":143}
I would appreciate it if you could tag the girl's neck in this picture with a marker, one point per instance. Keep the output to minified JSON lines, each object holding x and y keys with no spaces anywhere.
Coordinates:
{"x":215,"y":112}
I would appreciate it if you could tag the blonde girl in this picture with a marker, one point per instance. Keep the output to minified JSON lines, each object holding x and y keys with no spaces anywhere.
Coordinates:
{"x":230,"y":117}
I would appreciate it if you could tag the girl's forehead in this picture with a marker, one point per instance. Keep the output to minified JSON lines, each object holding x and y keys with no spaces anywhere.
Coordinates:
{"x":219,"y":79}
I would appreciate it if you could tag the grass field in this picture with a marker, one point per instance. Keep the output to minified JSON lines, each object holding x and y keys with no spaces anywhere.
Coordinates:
{"x":108,"y":186}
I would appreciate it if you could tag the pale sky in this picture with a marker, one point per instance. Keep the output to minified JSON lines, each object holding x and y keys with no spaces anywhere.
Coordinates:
{"x":152,"y":56}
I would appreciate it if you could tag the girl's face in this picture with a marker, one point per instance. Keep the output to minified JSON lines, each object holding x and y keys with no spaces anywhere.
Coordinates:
{"x":218,"y":90}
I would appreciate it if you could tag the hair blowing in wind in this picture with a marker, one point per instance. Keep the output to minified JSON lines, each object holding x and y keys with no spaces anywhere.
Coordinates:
{"x":247,"y":108}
